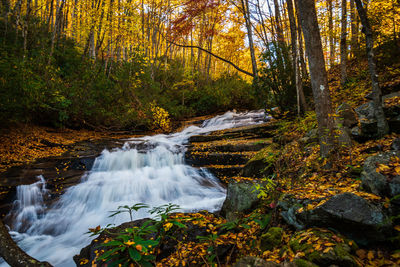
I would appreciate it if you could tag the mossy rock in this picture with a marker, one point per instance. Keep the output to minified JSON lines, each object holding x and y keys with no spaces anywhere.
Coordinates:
{"x":262,"y":162}
{"x":324,"y":248}
{"x":271,"y":239}
{"x":303,"y":263}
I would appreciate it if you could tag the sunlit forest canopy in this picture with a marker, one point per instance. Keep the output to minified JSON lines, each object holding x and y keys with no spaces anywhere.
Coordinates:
{"x":106,"y":63}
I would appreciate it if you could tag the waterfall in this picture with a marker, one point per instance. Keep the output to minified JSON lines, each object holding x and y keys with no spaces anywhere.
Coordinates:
{"x":149,"y":170}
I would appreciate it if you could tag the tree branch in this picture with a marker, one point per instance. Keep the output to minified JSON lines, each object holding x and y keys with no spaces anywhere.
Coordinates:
{"x":214,"y":55}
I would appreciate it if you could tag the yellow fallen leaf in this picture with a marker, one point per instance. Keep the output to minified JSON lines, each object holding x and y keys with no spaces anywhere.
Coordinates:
{"x":370,"y":255}
{"x":329,"y":244}
{"x":327,"y":249}
{"x":397,"y":228}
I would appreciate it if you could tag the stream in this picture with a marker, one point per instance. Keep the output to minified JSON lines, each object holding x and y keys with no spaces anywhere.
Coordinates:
{"x":149,"y":170}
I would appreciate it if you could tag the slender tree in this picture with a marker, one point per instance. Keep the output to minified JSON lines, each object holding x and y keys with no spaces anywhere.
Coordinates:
{"x":319,"y":80}
{"x":383,"y":127}
{"x":246,"y":14}
{"x":301,"y":103}
{"x":330,"y":33}
{"x":343,"y":44}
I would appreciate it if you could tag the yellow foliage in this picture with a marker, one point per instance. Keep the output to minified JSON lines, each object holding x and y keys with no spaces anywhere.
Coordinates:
{"x":161,"y":118}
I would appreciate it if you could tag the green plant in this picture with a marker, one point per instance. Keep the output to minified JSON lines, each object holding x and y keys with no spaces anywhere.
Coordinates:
{"x":137,"y":245}
{"x":264,"y":189}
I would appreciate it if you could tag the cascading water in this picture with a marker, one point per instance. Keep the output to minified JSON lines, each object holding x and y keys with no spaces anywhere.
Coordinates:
{"x":149,"y":170}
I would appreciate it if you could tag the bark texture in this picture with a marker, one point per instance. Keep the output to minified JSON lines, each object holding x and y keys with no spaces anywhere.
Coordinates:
{"x":319,"y":81}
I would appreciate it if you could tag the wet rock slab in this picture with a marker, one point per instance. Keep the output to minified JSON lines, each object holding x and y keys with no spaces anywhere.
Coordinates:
{"x":347,"y":213}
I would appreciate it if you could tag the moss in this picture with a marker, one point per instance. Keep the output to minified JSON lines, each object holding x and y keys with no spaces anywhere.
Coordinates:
{"x":272,"y":238}
{"x":340,"y":255}
{"x":266,"y":154}
{"x":304,"y":263}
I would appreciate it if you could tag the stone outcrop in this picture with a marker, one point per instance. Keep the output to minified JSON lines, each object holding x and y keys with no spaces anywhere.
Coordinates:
{"x":347,"y":213}
{"x":240,"y":197}
{"x":377,"y":183}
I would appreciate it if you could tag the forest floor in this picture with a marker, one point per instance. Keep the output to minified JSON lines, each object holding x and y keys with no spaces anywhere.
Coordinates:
{"x":26,"y":143}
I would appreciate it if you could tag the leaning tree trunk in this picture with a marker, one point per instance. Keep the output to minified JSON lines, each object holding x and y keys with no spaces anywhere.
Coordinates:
{"x":13,"y":255}
{"x":343,"y":44}
{"x":383,"y":127}
{"x":319,"y":80}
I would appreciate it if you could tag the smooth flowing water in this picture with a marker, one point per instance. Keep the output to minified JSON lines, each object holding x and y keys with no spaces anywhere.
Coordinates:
{"x":149,"y":170}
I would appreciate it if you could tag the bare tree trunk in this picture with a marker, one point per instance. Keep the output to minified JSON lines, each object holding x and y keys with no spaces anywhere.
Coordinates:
{"x":383,"y":127}
{"x":301,"y":103}
{"x":13,"y":255}
{"x":354,"y":32}
{"x":54,"y":34}
{"x":26,"y":26}
{"x":343,"y":44}
{"x":330,"y":33}
{"x":319,"y":80}
{"x":301,"y":50}
{"x":279,"y":30}
{"x":246,"y":13}
{"x":6,"y":7}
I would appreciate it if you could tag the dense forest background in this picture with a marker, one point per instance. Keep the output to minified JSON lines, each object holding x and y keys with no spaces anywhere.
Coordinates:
{"x":137,"y":64}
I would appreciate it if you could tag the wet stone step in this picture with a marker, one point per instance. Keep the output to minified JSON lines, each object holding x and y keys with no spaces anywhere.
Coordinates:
{"x":224,"y":171}
{"x":204,"y":158}
{"x":239,"y":145}
{"x":250,"y":132}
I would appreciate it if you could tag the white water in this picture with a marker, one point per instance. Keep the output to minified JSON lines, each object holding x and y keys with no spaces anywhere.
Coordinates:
{"x":150,"y":170}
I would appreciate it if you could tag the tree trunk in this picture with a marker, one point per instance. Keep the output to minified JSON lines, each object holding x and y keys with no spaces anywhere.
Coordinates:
{"x":319,"y":81}
{"x":25,"y":29}
{"x":279,"y":30}
{"x":301,"y":103}
{"x":246,"y":13}
{"x":303,"y":64}
{"x":54,"y":33}
{"x":13,"y":255}
{"x":354,"y":32}
{"x":383,"y":127}
{"x":343,"y":44}
{"x":330,"y":34}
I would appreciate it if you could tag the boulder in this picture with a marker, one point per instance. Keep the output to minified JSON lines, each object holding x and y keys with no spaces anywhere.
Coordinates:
{"x":251,"y":261}
{"x":368,"y":124}
{"x":347,"y":115}
{"x":168,"y":246}
{"x":378,"y":183}
{"x":391,"y":110}
{"x":338,"y":255}
{"x":240,"y":197}
{"x":271,"y":239}
{"x":368,"y":127}
{"x":396,"y":144}
{"x":311,"y":137}
{"x":352,"y":216}
{"x":262,"y":163}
